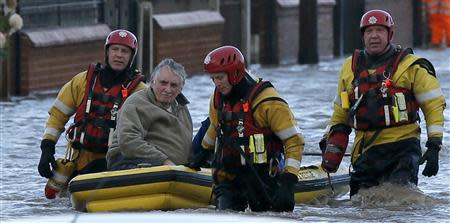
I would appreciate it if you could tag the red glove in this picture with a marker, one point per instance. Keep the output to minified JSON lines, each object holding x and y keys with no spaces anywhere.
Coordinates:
{"x":336,"y":145}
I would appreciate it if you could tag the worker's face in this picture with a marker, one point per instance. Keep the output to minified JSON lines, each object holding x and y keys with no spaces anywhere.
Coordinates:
{"x":119,"y":57}
{"x":376,"y":38}
{"x":166,"y":86}
{"x":221,"y":82}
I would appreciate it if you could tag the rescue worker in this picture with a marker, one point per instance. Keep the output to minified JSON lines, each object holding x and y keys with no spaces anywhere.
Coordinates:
{"x":154,"y":126}
{"x":251,"y":125}
{"x":438,"y":18}
{"x":94,"y":96}
{"x":380,"y":91}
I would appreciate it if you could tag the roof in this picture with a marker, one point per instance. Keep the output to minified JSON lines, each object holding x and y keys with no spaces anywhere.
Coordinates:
{"x":66,"y":35}
{"x":188,"y":19}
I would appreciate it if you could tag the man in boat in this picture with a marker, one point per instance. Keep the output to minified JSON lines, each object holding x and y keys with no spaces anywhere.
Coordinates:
{"x":251,"y":125}
{"x":154,"y":126}
{"x":94,"y":96}
{"x":379,"y":93}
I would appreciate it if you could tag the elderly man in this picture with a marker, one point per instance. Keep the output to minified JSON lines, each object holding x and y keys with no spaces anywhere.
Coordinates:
{"x":154,"y":126}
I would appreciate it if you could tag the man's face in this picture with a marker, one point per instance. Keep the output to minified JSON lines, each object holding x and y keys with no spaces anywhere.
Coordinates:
{"x":166,"y":86}
{"x":376,"y":39}
{"x":119,"y":56}
{"x":221,"y":82}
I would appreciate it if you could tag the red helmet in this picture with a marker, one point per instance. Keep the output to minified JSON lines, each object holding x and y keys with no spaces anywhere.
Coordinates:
{"x":226,"y":59}
{"x":122,"y":37}
{"x":377,"y":17}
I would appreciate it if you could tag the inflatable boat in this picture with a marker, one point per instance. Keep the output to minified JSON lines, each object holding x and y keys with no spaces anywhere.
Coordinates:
{"x":178,"y":187}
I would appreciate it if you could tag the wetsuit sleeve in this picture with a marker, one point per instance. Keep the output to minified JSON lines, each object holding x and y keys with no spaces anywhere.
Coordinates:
{"x":277,"y":115}
{"x":68,"y":100}
{"x":431,"y":100}
{"x":340,"y":115}
{"x":209,"y":139}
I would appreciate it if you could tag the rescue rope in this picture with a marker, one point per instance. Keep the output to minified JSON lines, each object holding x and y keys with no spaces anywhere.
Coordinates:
{"x":329,"y":182}
{"x":320,"y":154}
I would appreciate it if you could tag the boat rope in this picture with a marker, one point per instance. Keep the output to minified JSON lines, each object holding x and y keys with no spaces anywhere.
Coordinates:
{"x":320,"y":154}
{"x":329,"y":182}
{"x":257,"y":177}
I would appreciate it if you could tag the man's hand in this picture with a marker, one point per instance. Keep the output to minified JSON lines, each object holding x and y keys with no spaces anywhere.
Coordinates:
{"x":47,"y":158}
{"x":199,"y":159}
{"x":431,"y":156}
{"x":283,"y":199}
{"x":335,"y":147}
{"x":168,"y":162}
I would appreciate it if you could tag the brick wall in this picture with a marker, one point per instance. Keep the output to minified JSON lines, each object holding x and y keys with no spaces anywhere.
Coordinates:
{"x":51,"y":67}
{"x":325,"y":37}
{"x":288,"y":31}
{"x":187,"y":37}
{"x":49,"y":58}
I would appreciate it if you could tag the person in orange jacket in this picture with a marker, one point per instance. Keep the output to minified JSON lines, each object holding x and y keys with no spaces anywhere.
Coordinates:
{"x":438,"y":18}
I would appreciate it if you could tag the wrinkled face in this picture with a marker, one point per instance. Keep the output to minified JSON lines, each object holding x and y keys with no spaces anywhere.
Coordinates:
{"x":376,"y":38}
{"x":166,"y":86}
{"x":221,"y":82}
{"x":119,"y":56}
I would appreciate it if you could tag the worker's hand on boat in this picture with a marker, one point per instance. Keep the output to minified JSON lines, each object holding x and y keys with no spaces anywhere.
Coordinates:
{"x":283,"y":199}
{"x":199,"y":159}
{"x":323,"y":144}
{"x":431,"y":156}
{"x":47,"y":158}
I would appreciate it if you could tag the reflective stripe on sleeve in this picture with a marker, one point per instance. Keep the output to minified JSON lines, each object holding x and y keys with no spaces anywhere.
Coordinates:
{"x":337,"y":100}
{"x":61,"y":179}
{"x":435,"y":129}
{"x":293,"y":163}
{"x":63,"y":108}
{"x":208,"y":140}
{"x":52,"y":131}
{"x":421,"y":98}
{"x":288,"y":133}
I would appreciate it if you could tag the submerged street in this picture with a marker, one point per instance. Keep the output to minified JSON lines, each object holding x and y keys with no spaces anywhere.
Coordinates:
{"x":309,"y":90}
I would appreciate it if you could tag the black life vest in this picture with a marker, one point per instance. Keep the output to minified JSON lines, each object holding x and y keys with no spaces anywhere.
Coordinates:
{"x":382,"y":104}
{"x":95,"y":118}
{"x":240,"y":116}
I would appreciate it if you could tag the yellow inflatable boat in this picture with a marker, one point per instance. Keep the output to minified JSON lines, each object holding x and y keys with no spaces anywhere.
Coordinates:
{"x":176,"y":187}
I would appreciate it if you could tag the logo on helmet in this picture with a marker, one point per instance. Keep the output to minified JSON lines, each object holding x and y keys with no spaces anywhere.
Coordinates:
{"x":122,"y":34}
{"x":373,"y":20}
{"x":207,"y":60}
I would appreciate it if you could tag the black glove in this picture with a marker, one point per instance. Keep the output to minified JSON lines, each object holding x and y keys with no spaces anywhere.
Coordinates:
{"x":47,"y":158}
{"x":323,"y":144}
{"x":283,"y":199}
{"x":432,"y":157}
{"x":199,"y":159}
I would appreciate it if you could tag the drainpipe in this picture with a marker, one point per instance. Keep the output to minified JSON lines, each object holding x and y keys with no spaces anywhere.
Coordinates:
{"x":246,"y":29}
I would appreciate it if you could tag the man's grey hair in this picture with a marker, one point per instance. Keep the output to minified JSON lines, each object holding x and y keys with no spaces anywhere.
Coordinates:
{"x":173,"y":66}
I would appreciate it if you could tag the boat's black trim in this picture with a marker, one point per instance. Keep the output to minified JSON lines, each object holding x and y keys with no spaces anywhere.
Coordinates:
{"x":323,"y":183}
{"x":140,"y":178}
{"x":186,"y":177}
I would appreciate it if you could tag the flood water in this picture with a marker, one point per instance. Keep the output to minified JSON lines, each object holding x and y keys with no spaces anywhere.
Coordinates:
{"x":309,"y":90}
